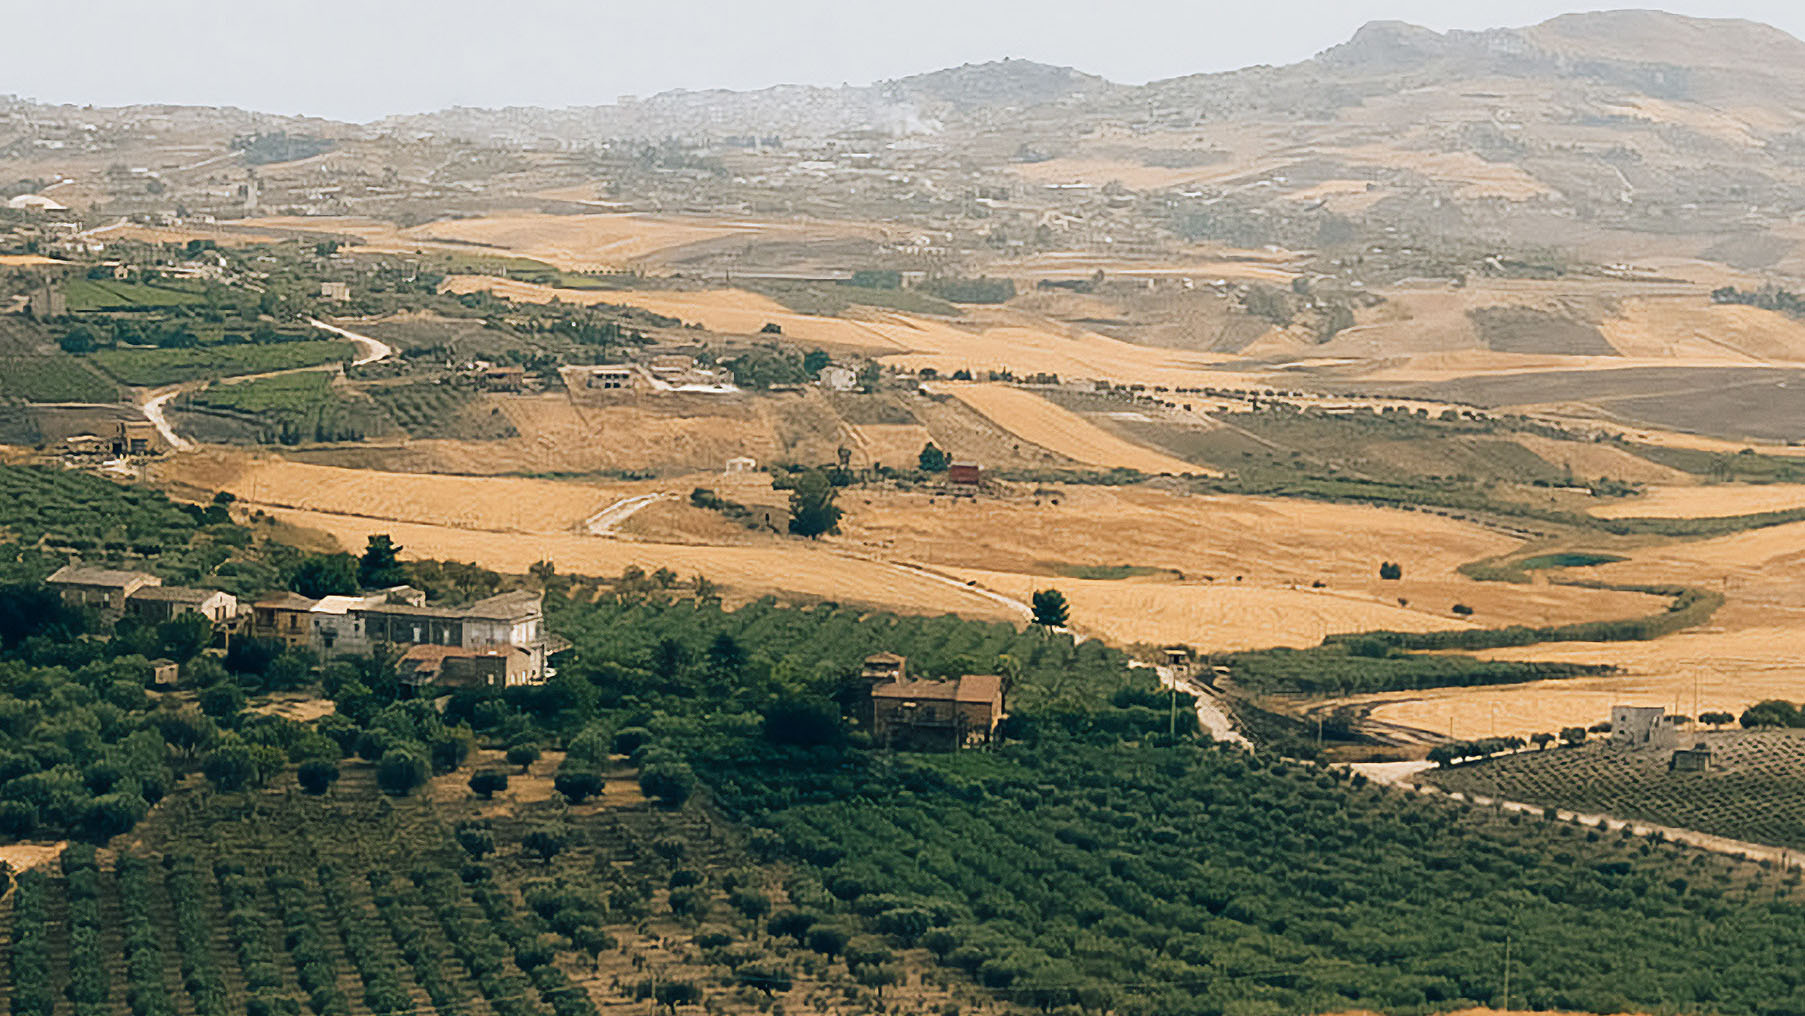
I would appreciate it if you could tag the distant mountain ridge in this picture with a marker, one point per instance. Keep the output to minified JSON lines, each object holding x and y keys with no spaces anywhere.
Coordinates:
{"x":1663,"y":55}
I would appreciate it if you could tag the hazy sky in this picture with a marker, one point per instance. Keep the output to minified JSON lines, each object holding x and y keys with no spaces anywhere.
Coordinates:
{"x":361,"y":59}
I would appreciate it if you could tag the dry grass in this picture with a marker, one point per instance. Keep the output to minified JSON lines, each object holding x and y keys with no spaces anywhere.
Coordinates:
{"x":27,"y":261}
{"x":897,"y":445}
{"x":1690,"y":328}
{"x":1591,"y":461}
{"x":989,"y":339}
{"x":489,"y":503}
{"x":1754,"y":648}
{"x":1059,"y":430}
{"x":1221,"y":616}
{"x":792,"y":568}
{"x":1707,"y":501}
{"x":728,"y":311}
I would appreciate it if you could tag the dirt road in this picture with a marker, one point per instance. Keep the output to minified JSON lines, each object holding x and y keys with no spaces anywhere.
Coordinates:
{"x":606,"y":521}
{"x":369,"y":350}
{"x":152,"y":408}
{"x":1403,"y":774}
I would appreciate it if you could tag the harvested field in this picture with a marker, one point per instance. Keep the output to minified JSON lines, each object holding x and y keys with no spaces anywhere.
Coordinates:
{"x":1714,"y":500}
{"x":602,"y":242}
{"x":990,"y":339}
{"x":1060,"y":430}
{"x":1693,"y":328}
{"x":27,"y":261}
{"x":487,"y":503}
{"x":728,"y":311}
{"x":1277,"y":549}
{"x":1220,"y":617}
{"x":1753,"y":649}
{"x":791,"y":568}
{"x":577,"y":242}
{"x":897,"y":445}
{"x":557,"y":436}
{"x":1591,"y":461}
{"x":1470,"y":175}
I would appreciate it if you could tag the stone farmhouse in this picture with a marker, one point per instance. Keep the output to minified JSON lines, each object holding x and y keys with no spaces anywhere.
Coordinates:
{"x":140,"y":594}
{"x":923,"y":715}
{"x":499,"y":641}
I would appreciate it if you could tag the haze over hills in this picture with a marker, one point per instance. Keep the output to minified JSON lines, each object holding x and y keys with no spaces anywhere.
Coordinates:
{"x":1610,"y":136}
{"x":659,"y":555}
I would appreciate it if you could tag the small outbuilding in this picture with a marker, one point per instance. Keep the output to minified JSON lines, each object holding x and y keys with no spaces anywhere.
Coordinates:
{"x":1696,"y":759}
{"x":965,"y":474}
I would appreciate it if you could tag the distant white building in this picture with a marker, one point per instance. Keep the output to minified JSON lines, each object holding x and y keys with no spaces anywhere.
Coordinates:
{"x":1641,"y":727}
{"x":742,"y":464}
{"x":339,"y":291}
{"x":836,"y":378}
{"x":35,"y":203}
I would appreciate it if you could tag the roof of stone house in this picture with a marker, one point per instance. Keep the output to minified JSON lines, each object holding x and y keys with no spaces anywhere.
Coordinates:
{"x":79,"y":575}
{"x":176,"y":594}
{"x":970,"y":688}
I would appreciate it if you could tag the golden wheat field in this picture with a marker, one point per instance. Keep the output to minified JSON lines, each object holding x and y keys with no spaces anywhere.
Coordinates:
{"x":1254,"y":543}
{"x":1060,"y":430}
{"x":1690,"y":328}
{"x":1709,"y":501}
{"x":745,"y":572}
{"x":984,"y":341}
{"x":505,"y":504}
{"x":1222,"y":616}
{"x":1753,"y":649}
{"x":897,"y":445}
{"x":600,"y":242}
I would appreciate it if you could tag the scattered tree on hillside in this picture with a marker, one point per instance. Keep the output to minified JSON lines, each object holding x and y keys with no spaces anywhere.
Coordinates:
{"x":1716,"y":719}
{"x":486,"y":783}
{"x":316,"y":776}
{"x":1050,"y":608}
{"x":380,"y":566}
{"x":812,"y":508}
{"x":325,"y":575}
{"x":1391,"y":571}
{"x":933,"y":460}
